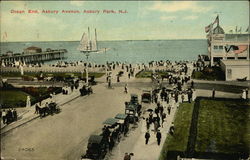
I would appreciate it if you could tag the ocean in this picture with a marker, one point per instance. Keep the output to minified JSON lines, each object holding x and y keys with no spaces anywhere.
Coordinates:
{"x":130,"y":51}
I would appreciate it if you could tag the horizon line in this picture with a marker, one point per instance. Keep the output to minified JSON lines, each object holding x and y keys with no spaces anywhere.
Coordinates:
{"x":108,"y":40}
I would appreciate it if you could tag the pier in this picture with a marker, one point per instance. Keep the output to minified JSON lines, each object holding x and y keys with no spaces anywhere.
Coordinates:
{"x":33,"y":57}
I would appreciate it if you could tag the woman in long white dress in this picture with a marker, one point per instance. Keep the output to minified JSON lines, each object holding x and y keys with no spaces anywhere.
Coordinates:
{"x":244,"y":94}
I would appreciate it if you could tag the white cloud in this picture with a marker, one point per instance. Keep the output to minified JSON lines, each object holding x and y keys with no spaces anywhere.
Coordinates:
{"x":190,"y":17}
{"x":167,"y":17}
{"x":76,"y":3}
{"x":178,"y":6}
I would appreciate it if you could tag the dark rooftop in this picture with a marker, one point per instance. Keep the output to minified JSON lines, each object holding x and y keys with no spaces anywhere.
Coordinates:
{"x":238,"y":37}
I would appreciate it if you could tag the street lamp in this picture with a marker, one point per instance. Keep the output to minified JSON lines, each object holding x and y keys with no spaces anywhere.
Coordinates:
{"x":87,"y":66}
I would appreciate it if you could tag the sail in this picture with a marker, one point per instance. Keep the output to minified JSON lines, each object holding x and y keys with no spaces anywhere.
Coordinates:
{"x":87,"y":44}
{"x":84,"y":43}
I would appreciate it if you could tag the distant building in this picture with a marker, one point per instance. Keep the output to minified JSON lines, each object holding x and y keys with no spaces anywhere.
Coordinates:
{"x":31,"y":50}
{"x":9,"y":53}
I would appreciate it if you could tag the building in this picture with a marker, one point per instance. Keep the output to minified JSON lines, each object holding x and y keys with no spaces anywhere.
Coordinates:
{"x":236,"y":69}
{"x":218,"y":40}
{"x":230,"y":51}
{"x":31,"y":50}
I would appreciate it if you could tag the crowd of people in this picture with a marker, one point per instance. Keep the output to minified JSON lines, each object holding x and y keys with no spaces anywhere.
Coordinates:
{"x":9,"y":115}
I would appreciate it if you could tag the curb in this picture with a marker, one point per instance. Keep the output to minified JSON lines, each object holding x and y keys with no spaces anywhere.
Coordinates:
{"x":4,"y":133}
{"x":25,"y":122}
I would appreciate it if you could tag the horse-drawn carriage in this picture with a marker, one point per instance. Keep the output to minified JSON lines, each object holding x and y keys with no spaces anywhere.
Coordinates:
{"x":86,"y":90}
{"x":48,"y":109}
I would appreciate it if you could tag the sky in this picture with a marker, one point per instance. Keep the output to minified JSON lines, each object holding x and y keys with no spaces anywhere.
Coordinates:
{"x":140,"y":20}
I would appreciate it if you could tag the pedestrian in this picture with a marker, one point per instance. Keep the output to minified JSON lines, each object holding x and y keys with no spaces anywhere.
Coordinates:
{"x":246,"y":93}
{"x":118,"y":78}
{"x":147,"y":136}
{"x":127,"y":157}
{"x":4,"y":114}
{"x":28,"y":101}
{"x":192,"y":84}
{"x":12,"y":115}
{"x":190,"y":94}
{"x":157,"y":111}
{"x":169,"y":110}
{"x":158,"y":136}
{"x":161,"y":109}
{"x":111,"y":143}
{"x":9,"y":116}
{"x":147,"y":123}
{"x":109,"y":82}
{"x":156,"y":125}
{"x":213,"y":93}
{"x":37,"y":109}
{"x":15,"y":115}
{"x":126,"y":88}
{"x":182,"y":97}
{"x":163,"y":116}
{"x":243,"y":96}
{"x":176,"y":97}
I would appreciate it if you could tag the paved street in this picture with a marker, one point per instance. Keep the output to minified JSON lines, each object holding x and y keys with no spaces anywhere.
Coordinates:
{"x":64,"y":136}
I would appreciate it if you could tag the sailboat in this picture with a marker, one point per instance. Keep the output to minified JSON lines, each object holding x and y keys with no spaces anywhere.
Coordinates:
{"x":86,"y":44}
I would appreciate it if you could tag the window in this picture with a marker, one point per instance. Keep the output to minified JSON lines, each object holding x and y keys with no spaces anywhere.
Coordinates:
{"x":242,"y":57}
{"x":215,"y":47}
{"x":220,"y":47}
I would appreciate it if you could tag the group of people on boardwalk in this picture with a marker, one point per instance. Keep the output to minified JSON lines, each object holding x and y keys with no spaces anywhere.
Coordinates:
{"x":9,"y":115}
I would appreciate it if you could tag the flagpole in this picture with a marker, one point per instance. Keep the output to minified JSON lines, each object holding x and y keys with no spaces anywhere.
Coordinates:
{"x":211,"y":46}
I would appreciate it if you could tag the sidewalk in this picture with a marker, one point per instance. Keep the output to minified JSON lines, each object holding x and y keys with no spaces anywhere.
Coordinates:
{"x":29,"y":113}
{"x":135,"y":141}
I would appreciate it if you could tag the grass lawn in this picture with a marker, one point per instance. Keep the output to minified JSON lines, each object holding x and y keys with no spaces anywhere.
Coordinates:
{"x":223,"y":127}
{"x":147,"y":74}
{"x":212,"y":73}
{"x":35,"y":74}
{"x":13,"y":98}
{"x":182,"y":122}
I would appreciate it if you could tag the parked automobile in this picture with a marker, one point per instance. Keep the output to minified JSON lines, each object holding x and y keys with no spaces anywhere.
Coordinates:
{"x":96,"y":148}
{"x":146,"y":97}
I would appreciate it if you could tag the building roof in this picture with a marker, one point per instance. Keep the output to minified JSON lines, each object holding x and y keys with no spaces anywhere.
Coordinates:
{"x":238,"y":37}
{"x":239,"y":62}
{"x":218,"y":30}
{"x":33,"y":48}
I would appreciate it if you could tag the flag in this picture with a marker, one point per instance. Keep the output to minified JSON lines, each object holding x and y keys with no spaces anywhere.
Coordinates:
{"x":208,"y":28}
{"x":216,"y":20}
{"x":241,"y":48}
{"x":236,"y":49}
{"x":247,"y":29}
{"x":239,"y":30}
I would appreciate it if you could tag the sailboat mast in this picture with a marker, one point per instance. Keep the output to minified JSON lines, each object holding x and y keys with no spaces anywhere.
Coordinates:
{"x":89,"y":40}
{"x":96,"y":40}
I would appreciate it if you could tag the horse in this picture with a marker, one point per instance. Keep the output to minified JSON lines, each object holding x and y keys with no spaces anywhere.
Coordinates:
{"x":43,"y":111}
